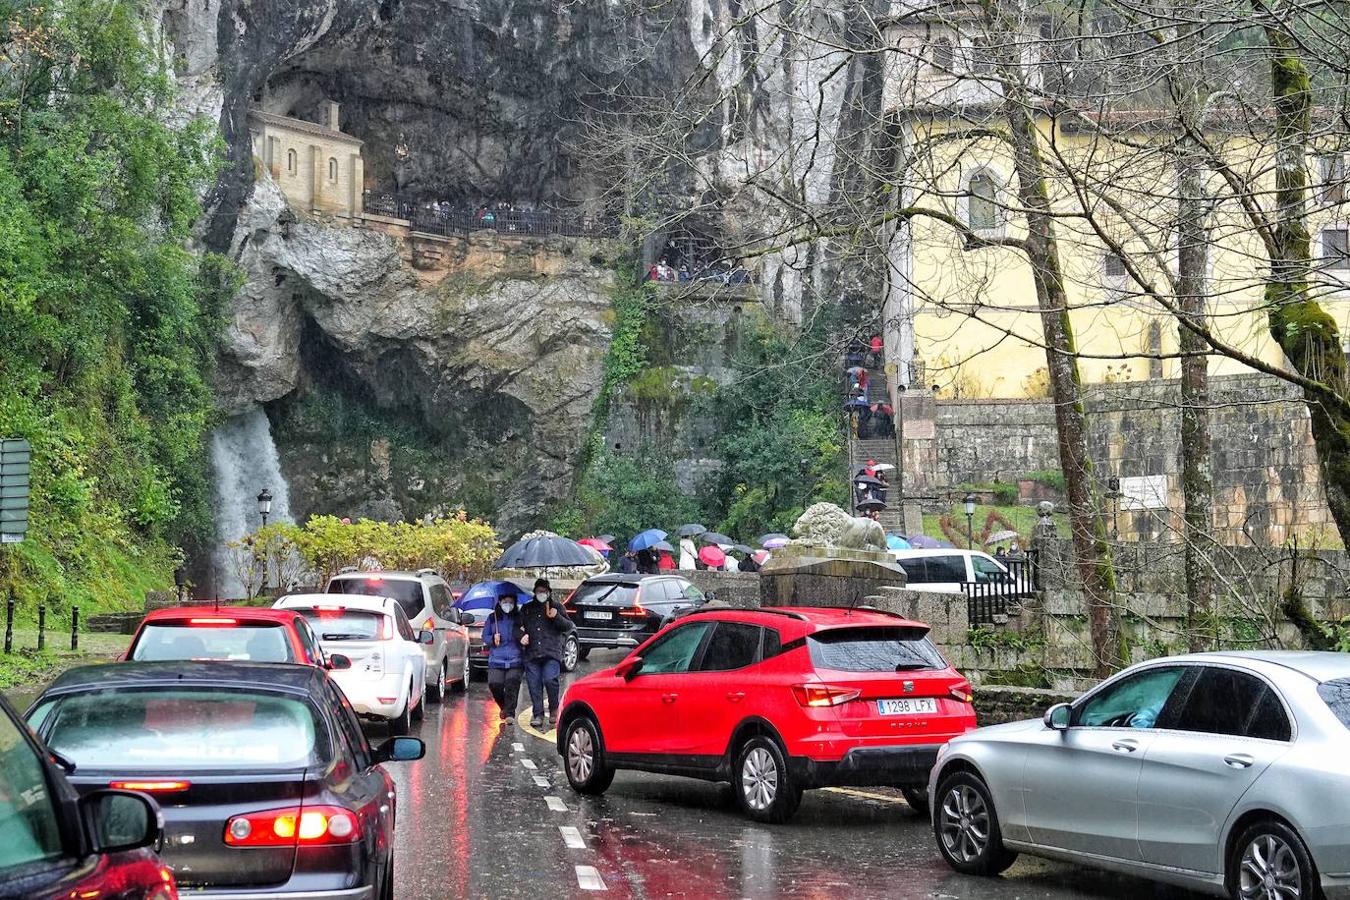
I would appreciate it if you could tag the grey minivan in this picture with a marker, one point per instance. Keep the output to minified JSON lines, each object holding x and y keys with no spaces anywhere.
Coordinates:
{"x":1222,"y":772}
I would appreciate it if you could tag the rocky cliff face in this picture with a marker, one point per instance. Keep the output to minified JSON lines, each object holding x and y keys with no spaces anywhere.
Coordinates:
{"x":395,"y":390}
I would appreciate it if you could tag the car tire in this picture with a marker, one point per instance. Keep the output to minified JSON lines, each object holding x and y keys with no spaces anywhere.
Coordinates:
{"x":1271,"y":849}
{"x":764,"y":787}
{"x":402,"y":723}
{"x":917,"y":798}
{"x":465,"y":675}
{"x":571,"y":653}
{"x":387,"y":892}
{"x":583,"y":654}
{"x":584,"y":757}
{"x":966,"y":826}
{"x":436,"y":690}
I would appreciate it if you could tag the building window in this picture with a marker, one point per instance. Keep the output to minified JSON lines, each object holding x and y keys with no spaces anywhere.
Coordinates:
{"x":944,"y":57}
{"x":982,"y":213}
{"x":982,"y":59}
{"x":1113,"y":267}
{"x":1336,"y":248}
{"x":1331,"y":167}
{"x":292,"y":162}
{"x":332,"y":169}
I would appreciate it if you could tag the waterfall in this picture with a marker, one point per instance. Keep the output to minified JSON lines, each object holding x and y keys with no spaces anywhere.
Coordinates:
{"x":245,"y":461}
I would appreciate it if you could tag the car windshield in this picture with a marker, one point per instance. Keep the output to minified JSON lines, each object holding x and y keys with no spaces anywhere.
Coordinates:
{"x":184,"y":729}
{"x":1336,"y":695}
{"x":877,"y":649}
{"x":347,"y":624}
{"x":606,"y":594}
{"x":220,"y":638}
{"x":407,"y":593}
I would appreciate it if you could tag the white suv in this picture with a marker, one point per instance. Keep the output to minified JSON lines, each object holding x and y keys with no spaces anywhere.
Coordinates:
{"x":948,"y":571}
{"x":426,"y":600}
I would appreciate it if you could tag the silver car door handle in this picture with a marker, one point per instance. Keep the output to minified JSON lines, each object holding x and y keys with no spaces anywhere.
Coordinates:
{"x":1126,"y":745}
{"x":1239,"y":760}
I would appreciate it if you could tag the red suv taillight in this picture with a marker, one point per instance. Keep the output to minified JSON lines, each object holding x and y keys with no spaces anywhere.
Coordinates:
{"x":823,"y":694}
{"x":311,"y":826}
{"x":961,"y":692}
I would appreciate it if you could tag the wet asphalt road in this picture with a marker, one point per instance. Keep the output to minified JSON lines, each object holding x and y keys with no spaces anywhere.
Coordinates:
{"x":489,"y":813}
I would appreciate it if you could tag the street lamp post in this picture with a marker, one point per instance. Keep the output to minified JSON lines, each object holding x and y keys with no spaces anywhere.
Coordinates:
{"x":970,"y":521}
{"x":265,"y":509}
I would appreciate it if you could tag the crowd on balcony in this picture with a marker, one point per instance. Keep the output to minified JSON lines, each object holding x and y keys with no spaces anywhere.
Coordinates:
{"x":721,"y":272}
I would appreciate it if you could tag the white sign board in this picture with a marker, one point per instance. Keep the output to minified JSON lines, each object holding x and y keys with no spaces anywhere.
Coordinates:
{"x":1143,"y":492}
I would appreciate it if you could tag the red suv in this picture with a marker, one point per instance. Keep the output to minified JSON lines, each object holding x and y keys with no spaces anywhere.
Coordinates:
{"x":236,"y":632}
{"x":773,"y":700}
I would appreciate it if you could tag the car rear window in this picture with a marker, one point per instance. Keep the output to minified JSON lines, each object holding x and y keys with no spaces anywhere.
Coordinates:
{"x":257,"y":641}
{"x":607,"y":594}
{"x":877,"y":649}
{"x":1336,"y":695}
{"x":185,"y":729}
{"x":345,"y":624}
{"x":407,"y":593}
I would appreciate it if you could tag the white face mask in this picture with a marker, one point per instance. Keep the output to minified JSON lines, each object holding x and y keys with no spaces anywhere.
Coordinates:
{"x":509,"y":607}
{"x":541,"y":596}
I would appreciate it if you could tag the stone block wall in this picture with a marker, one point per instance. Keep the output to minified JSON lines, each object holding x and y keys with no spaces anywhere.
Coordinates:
{"x":733,"y":588}
{"x":1266,"y":479}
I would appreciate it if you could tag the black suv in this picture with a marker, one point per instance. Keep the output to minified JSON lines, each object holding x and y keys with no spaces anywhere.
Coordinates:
{"x":613,"y":611}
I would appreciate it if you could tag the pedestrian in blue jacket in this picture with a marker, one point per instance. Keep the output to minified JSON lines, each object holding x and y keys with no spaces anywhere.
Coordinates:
{"x":506,"y":664}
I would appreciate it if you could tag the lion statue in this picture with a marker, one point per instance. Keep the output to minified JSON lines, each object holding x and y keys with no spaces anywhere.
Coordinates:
{"x":827,"y":525}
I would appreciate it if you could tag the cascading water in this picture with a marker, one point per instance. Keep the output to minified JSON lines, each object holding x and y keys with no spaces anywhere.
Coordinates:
{"x":245,"y":461}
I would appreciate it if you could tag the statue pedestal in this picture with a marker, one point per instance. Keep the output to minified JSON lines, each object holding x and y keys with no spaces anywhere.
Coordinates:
{"x":809,"y":575}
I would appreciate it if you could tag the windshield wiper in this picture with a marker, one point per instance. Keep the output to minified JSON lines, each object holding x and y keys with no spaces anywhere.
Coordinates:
{"x":911,"y":667}
{"x":342,"y":636}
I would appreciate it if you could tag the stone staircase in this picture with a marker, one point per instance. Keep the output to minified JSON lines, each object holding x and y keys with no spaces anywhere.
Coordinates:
{"x":882,"y":450}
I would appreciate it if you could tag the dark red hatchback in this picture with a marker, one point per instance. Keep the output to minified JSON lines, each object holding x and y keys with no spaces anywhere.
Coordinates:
{"x":56,"y":844}
{"x":773,"y":700}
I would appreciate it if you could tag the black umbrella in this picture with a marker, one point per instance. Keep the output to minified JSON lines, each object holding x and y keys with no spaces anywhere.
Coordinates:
{"x":871,"y":504}
{"x":869,"y":481}
{"x":691,"y":530}
{"x":741,"y":548}
{"x":662,"y":545}
{"x":712,"y":537}
{"x":545,"y":552}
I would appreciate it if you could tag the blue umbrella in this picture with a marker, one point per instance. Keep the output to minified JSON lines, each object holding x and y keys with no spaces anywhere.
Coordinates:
{"x":896,"y":542}
{"x":484,"y":594}
{"x":647,"y":539}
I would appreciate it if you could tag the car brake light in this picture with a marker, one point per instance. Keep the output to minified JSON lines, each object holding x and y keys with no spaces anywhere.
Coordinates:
{"x":637,"y":612}
{"x":375,"y":579}
{"x":824,"y":694}
{"x":567,"y":604}
{"x":151,"y":786}
{"x":386,"y":699}
{"x":213,"y":621}
{"x":311,"y":826}
{"x":961,"y":692}
{"x":387,"y":629}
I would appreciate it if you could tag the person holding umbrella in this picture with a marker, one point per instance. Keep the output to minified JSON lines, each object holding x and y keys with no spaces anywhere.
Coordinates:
{"x":502,"y":634}
{"x":545,"y":624}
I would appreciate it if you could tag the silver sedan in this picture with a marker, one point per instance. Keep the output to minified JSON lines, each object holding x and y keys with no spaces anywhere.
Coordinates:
{"x":1223,"y":772}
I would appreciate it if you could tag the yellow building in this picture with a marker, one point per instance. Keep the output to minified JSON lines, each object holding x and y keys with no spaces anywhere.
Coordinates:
{"x":317,"y":167}
{"x":967,"y":319}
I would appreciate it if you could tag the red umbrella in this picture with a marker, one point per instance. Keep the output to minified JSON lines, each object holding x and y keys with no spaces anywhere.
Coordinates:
{"x":712,"y":556}
{"x":595,"y":544}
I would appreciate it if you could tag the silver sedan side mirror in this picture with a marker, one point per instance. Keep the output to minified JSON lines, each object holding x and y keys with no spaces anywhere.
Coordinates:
{"x":1058,"y":716}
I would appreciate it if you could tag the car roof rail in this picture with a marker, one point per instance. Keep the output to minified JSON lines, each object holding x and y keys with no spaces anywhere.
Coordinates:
{"x":347,"y":569}
{"x":701,"y":610}
{"x":427,"y":570}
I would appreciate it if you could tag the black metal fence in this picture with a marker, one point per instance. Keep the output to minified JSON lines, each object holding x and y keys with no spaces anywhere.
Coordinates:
{"x":442,"y":219}
{"x":987,"y":600}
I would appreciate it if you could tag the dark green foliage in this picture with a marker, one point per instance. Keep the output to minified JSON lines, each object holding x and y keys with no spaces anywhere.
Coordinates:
{"x":623,"y":495}
{"x":106,"y":320}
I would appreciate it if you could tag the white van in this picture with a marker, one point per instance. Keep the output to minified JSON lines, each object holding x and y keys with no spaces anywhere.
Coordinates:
{"x":947,"y":571}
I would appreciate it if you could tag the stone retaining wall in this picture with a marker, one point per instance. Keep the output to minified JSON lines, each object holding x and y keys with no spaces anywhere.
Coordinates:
{"x":996,"y":705}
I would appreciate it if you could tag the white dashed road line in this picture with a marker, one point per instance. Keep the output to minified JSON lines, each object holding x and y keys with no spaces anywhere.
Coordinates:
{"x":556,"y":804}
{"x":572,"y":837}
{"x":589,"y":879}
{"x":541,"y":781}
{"x":517,"y":748}
{"x":529,"y":764}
